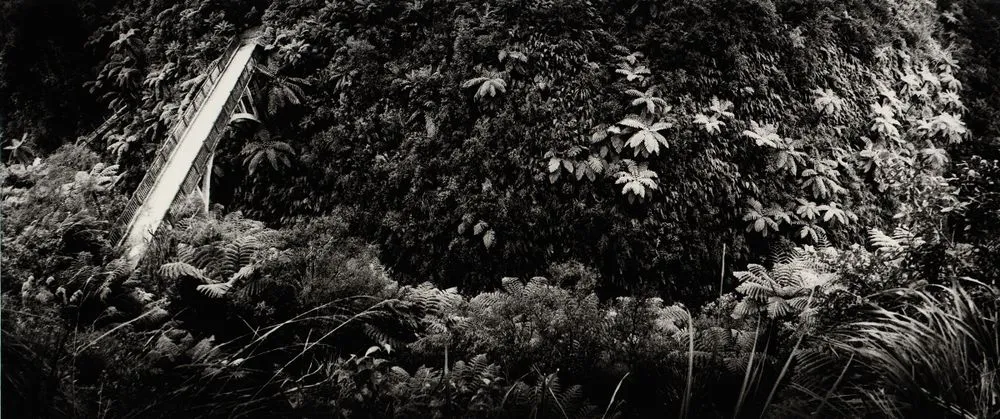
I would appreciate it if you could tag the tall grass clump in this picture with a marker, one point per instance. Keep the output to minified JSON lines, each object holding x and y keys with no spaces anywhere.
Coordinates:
{"x":935,"y":354}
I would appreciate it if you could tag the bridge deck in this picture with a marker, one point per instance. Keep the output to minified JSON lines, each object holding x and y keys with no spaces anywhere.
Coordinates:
{"x":197,"y":141}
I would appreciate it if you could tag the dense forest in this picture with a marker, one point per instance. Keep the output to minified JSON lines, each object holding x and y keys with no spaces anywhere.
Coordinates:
{"x":510,"y":208}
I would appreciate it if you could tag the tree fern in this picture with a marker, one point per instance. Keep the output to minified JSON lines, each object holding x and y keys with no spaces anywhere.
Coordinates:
{"x":488,"y":86}
{"x":787,"y":288}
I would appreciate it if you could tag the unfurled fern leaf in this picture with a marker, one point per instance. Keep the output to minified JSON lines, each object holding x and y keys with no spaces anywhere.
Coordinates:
{"x":883,"y":242}
{"x":380,"y":336}
{"x":778,"y":307}
{"x":676,"y":314}
{"x":175,"y":270}
{"x":512,"y":285}
{"x":246,"y":247}
{"x":204,"y":350}
{"x":244,"y":273}
{"x":118,"y":271}
{"x":754,"y":290}
{"x":536,"y":285}
{"x":217,"y":290}
{"x":210,"y":258}
{"x":488,"y":299}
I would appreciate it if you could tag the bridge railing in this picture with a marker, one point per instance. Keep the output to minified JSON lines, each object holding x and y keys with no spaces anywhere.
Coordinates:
{"x":200,"y":165}
{"x":174,"y":136}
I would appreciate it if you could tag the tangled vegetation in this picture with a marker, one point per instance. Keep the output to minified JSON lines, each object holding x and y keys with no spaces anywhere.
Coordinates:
{"x":708,"y":208}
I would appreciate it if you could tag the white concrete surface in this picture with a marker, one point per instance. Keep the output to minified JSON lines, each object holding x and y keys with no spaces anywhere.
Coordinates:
{"x":166,"y":187}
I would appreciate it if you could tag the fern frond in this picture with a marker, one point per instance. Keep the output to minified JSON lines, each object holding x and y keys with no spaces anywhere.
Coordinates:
{"x":778,"y":307}
{"x":245,"y":248}
{"x":488,"y":299}
{"x":175,"y":270}
{"x":883,"y":242}
{"x":217,"y":290}
{"x":782,"y":252}
{"x":755,"y":290}
{"x":512,"y":285}
{"x":205,"y":350}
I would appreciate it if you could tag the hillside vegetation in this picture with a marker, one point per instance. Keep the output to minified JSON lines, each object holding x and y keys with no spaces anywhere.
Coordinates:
{"x":695,"y":208}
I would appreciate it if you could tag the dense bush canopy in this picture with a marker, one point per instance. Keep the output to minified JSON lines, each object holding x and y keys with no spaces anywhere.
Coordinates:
{"x":778,"y":208}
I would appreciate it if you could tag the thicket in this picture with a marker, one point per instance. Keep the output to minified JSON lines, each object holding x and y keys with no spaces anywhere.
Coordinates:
{"x":229,"y":317}
{"x":577,"y":169}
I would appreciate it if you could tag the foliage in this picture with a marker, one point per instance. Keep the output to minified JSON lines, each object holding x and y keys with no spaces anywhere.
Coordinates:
{"x":395,"y":132}
{"x":632,"y":153}
{"x":935,"y":354}
{"x":57,"y":212}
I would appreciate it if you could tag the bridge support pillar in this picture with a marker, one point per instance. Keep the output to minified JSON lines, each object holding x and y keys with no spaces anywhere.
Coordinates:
{"x":206,"y":181}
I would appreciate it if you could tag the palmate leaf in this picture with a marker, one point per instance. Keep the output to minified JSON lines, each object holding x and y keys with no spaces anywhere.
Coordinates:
{"x":885,"y":111}
{"x":833,"y":214}
{"x":764,"y":135}
{"x":778,"y":214}
{"x":125,"y":40}
{"x":822,"y":187}
{"x":929,"y":77}
{"x":648,"y":100}
{"x":827,"y":102}
{"x":911,"y":80}
{"x":950,"y":82}
{"x":633,"y":73}
{"x":634,"y":123}
{"x":788,"y":160}
{"x":949,"y":126}
{"x":721,"y":108}
{"x":285,"y":92}
{"x":646,"y":138}
{"x":812,"y":232}
{"x":807,"y":210}
{"x":638,"y":181}
{"x":951,"y":100}
{"x":488,"y":86}
{"x":277,"y":153}
{"x":887,"y":127}
{"x":20,"y":151}
{"x":711,"y":124}
{"x":491,"y":88}
{"x":764,"y":220}
{"x":649,"y":141}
